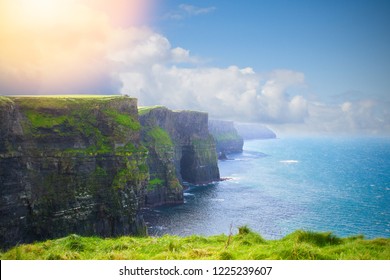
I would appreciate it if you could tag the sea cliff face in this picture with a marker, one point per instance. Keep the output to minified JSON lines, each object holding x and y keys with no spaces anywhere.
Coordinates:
{"x":181,"y":150}
{"x":87,"y":166}
{"x":226,"y":137}
{"x":70,"y":166}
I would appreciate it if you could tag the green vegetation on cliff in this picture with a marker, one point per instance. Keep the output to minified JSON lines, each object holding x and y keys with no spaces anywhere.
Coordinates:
{"x":70,"y":165}
{"x":142,"y":110}
{"x":246,"y":245}
{"x":123,"y":119}
{"x":226,"y":137}
{"x":159,"y":137}
{"x":161,"y":151}
{"x":69,"y":116}
{"x":133,"y":172}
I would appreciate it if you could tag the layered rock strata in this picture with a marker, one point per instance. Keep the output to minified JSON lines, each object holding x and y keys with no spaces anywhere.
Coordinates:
{"x":70,"y":165}
{"x":227,"y":139}
{"x":87,"y":166}
{"x":181,"y":150}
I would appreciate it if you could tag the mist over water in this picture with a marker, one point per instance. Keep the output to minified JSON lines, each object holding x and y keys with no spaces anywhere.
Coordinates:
{"x":278,"y":186}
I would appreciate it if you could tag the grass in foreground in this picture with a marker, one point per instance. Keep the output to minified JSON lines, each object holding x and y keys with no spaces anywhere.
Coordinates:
{"x":246,"y":245}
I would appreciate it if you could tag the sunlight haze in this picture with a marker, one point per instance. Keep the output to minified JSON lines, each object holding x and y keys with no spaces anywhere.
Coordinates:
{"x":299,"y":67}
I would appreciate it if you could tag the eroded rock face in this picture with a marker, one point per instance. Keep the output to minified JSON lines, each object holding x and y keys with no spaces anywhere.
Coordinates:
{"x":87,"y":166}
{"x":70,"y":166}
{"x":182,"y":141}
{"x":226,"y":137}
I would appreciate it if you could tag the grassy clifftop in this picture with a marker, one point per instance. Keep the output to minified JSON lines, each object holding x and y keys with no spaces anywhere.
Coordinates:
{"x":246,"y":245}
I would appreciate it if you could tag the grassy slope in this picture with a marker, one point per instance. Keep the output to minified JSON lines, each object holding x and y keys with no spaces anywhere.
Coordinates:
{"x":246,"y":245}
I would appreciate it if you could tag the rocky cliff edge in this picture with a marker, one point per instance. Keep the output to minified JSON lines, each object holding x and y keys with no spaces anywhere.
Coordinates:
{"x":87,"y":165}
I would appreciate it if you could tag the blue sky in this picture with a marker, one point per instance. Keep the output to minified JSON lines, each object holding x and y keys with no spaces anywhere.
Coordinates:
{"x":300,"y":67}
{"x":341,"y":46}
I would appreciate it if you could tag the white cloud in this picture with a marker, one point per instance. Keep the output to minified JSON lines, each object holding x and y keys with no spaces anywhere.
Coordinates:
{"x":223,"y":92}
{"x":280,"y":107}
{"x":357,"y":116}
{"x":134,"y":47}
{"x":346,"y":107}
{"x":193,"y":10}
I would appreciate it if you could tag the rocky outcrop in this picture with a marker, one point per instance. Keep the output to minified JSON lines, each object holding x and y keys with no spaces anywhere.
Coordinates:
{"x":182,"y":140}
{"x":226,"y":137}
{"x":70,"y":165}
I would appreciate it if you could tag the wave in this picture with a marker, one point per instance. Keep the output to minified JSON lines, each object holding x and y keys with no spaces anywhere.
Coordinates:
{"x":289,"y":161}
{"x":188,"y":194}
{"x":217,"y":199}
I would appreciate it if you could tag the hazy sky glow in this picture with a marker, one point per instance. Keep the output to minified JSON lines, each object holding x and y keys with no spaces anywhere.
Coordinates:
{"x":299,"y":66}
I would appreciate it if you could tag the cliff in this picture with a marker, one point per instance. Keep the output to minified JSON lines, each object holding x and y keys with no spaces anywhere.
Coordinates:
{"x":87,"y":166}
{"x":70,"y":165}
{"x":181,"y":147}
{"x":226,"y":137}
{"x":164,"y":186}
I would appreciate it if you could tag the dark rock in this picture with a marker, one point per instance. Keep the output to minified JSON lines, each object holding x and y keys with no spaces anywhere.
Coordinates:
{"x":86,"y":166}
{"x":222,"y":156}
{"x":191,"y":149}
{"x":70,"y":166}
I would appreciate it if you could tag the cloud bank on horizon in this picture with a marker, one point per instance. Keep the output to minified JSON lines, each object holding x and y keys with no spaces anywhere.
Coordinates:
{"x":82,"y":46}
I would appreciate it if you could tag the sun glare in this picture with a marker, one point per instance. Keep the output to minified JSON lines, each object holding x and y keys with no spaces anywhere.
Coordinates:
{"x":45,"y":12}
{"x":39,"y":11}
{"x":50,"y":45}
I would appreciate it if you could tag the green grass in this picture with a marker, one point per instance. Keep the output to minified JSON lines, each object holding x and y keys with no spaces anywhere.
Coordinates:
{"x":246,"y":245}
{"x":41,"y":111}
{"x":123,"y":119}
{"x":45,"y":120}
{"x":142,"y":110}
{"x":79,"y":116}
{"x":222,"y":137}
{"x":5,"y":100}
{"x":154,"y":183}
{"x":159,"y":137}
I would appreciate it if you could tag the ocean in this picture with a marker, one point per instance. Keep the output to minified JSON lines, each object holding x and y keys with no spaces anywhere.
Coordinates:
{"x":277,"y":186}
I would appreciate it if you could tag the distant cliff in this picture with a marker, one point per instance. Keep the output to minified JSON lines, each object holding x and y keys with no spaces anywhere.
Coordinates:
{"x":87,"y":166}
{"x":181,"y":147}
{"x":226,"y":137}
{"x":254,"y":131}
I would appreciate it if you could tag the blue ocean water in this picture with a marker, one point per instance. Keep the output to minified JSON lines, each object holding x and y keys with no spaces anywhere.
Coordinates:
{"x":277,"y":186}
